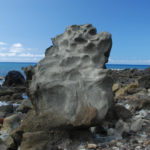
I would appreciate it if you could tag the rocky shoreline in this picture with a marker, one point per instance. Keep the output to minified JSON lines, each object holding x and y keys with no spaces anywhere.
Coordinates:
{"x":73,"y":102}
{"x":127,"y":125}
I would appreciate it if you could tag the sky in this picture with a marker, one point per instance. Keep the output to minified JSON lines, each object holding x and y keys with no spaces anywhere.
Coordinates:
{"x":27,"y":26}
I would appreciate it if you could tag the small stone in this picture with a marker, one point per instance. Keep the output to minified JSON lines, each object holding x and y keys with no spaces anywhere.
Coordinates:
{"x":119,"y":144}
{"x":138,"y":148}
{"x":115,"y":148}
{"x":92,"y":146}
{"x":121,"y":112}
{"x":81,"y":147}
{"x":148,"y":90}
{"x":110,"y":131}
{"x":147,"y":142}
{"x":121,"y":127}
{"x":136,"y":125}
{"x":115,"y":87}
{"x":123,"y":90}
{"x":142,"y":113}
{"x":113,"y":142}
{"x":1,"y":120}
{"x":92,"y":129}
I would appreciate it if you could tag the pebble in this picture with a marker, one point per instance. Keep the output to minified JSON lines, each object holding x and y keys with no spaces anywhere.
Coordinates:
{"x":1,"y":120}
{"x":138,"y":148}
{"x":136,"y":125}
{"x":119,"y":144}
{"x":81,"y":147}
{"x":115,"y":148}
{"x":92,"y":146}
{"x":142,"y":113}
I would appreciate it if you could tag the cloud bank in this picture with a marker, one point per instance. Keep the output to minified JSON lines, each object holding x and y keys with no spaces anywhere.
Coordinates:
{"x":16,"y":52}
{"x":129,"y":61}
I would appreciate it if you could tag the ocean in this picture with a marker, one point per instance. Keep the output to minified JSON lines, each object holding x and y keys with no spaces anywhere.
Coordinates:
{"x":5,"y":67}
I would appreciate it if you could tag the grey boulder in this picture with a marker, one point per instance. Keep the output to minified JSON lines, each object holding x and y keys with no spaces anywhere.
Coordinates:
{"x":70,"y":86}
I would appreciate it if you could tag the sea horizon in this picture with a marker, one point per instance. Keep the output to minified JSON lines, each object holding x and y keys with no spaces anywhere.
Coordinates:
{"x":106,"y":63}
{"x":5,"y":67}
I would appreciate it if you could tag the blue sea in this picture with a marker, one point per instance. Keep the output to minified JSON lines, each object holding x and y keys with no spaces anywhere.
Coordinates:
{"x":5,"y":67}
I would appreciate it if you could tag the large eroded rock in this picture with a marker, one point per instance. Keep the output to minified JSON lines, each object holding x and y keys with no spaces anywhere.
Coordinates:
{"x":70,"y":85}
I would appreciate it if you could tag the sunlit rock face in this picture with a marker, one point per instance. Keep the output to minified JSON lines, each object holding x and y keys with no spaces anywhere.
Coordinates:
{"x":70,"y":86}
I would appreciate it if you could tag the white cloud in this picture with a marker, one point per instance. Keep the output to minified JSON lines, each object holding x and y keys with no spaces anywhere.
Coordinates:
{"x":2,"y":43}
{"x":129,"y":61}
{"x":7,"y":54}
{"x":16,"y":48}
{"x":18,"y":53}
{"x":3,"y":48}
{"x":31,"y":55}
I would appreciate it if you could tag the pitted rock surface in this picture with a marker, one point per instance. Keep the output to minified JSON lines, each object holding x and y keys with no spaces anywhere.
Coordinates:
{"x":70,"y":86}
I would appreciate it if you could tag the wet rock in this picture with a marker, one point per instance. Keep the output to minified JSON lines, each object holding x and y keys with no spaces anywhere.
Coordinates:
{"x":14,"y":78}
{"x":92,"y":146}
{"x":70,"y":86}
{"x":25,"y":106}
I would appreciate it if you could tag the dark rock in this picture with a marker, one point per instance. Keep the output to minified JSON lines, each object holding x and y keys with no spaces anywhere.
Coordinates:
{"x":118,"y":112}
{"x":122,"y":113}
{"x":16,"y":96}
{"x":14,"y":78}
{"x":29,"y":71}
{"x":6,"y":91}
{"x":5,"y":98}
{"x":6,"y":109}
{"x":144,"y":81}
